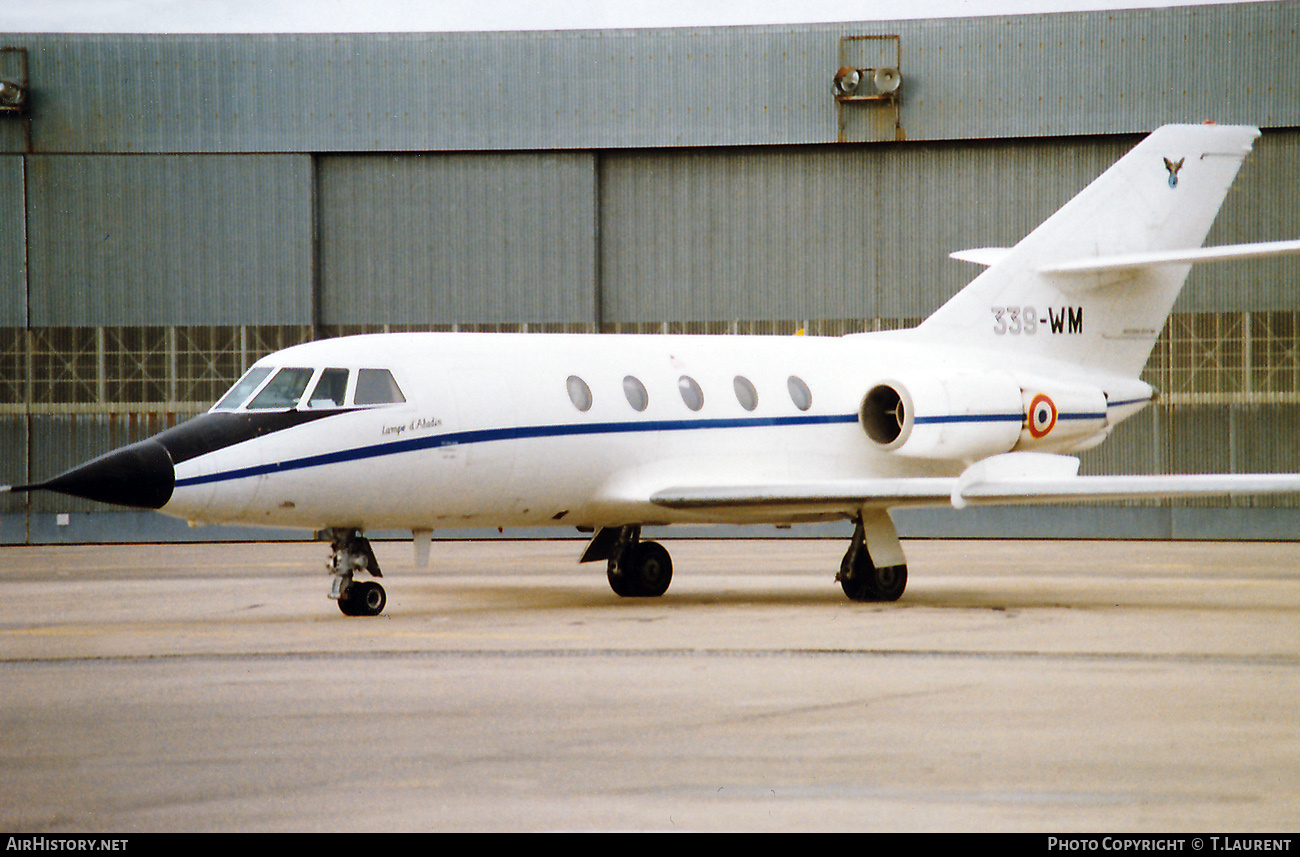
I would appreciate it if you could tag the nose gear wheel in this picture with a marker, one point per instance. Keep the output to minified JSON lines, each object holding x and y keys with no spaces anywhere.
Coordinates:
{"x":352,"y":554}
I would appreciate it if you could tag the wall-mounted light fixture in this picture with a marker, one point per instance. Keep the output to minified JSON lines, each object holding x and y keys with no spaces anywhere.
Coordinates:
{"x":868,"y":88}
{"x":881,"y":84}
{"x":846,"y":81}
{"x":13,"y":96}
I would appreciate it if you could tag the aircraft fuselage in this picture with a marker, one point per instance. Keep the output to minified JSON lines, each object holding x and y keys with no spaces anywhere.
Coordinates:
{"x":554,"y":429}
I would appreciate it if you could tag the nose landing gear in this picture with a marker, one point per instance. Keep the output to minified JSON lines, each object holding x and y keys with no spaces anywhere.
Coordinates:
{"x":352,"y":554}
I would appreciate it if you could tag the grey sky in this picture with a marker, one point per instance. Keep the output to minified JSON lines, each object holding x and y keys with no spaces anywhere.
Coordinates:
{"x":253,"y":16}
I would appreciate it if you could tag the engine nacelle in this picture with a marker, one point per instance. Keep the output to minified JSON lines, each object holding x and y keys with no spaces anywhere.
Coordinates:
{"x":957,"y":415}
{"x":970,"y":415}
{"x":1063,"y":418}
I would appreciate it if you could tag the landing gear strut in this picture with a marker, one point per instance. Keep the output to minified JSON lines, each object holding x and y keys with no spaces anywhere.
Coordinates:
{"x":636,"y":569}
{"x":351,"y":554}
{"x":860,"y":576}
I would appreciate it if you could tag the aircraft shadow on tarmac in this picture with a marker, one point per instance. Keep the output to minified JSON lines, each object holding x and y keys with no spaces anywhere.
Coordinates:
{"x":947,"y":594}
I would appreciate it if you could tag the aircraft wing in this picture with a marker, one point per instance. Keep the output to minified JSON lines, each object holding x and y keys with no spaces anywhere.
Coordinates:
{"x":1103,"y":488}
{"x":812,"y":495}
{"x":1013,"y":478}
{"x":932,"y":492}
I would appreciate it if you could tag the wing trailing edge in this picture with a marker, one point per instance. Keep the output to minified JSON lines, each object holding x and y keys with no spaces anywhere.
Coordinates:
{"x":830,"y":496}
{"x":1010,"y":479}
{"x":1103,"y":488}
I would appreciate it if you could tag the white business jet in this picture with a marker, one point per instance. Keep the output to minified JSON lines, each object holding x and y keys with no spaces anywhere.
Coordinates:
{"x":984,"y":402}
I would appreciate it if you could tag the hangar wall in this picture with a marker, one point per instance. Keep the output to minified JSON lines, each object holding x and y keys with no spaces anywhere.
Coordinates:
{"x":123,"y":240}
{"x":154,"y":241}
{"x":457,"y":237}
{"x":1109,"y":72}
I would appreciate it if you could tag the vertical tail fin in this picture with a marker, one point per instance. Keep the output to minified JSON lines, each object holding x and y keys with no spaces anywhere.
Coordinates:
{"x":1161,"y":196}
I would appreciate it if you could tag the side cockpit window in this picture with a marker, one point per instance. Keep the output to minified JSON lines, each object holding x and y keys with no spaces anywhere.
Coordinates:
{"x":330,"y":391}
{"x":243,"y":388}
{"x":283,"y":391}
{"x":377,"y":387}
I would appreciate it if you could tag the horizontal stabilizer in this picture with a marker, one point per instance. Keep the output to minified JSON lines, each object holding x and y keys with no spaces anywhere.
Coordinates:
{"x":1134,"y":261}
{"x":986,"y":256}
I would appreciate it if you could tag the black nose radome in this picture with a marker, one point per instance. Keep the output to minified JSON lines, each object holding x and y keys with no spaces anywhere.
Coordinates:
{"x":139,"y":475}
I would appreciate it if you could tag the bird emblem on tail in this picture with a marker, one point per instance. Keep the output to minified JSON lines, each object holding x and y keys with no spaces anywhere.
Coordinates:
{"x":1173,"y":167}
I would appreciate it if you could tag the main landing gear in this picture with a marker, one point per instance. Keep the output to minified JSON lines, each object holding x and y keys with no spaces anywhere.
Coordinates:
{"x":352,"y":554}
{"x":873,"y":569}
{"x":636,"y":569}
{"x":881,"y":579}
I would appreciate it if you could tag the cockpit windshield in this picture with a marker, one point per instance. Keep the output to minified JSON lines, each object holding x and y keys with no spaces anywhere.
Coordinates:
{"x":243,"y":388}
{"x":283,"y":391}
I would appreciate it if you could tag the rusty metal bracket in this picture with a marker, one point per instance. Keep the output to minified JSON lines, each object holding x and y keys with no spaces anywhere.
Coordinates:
{"x":873,"y":115}
{"x":14,"y":95}
{"x":15,"y":91}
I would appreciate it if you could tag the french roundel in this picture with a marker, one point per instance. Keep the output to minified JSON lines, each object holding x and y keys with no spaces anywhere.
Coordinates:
{"x":1042,"y":416}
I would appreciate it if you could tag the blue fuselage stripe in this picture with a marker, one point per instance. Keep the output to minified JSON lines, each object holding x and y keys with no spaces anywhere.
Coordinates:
{"x":969,"y":418}
{"x":571,"y":430}
{"x":1002,"y":418}
{"x":514,"y":433}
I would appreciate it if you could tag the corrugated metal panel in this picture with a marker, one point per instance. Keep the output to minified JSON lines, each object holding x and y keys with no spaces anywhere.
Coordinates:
{"x":13,"y":235}
{"x":458,"y":238}
{"x":1034,"y":75}
{"x":1104,"y":72}
{"x":168,"y":239}
{"x":820,"y":232}
{"x":13,"y":462}
{"x":938,"y":198}
{"x":396,"y":92}
{"x":1198,"y":439}
{"x":1133,"y":446}
{"x":722,"y":235}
